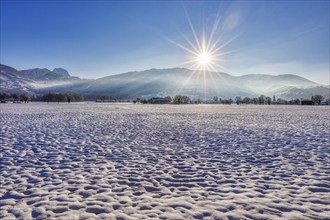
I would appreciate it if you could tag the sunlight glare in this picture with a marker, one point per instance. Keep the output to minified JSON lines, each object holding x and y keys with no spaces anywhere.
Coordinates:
{"x":204,"y":58}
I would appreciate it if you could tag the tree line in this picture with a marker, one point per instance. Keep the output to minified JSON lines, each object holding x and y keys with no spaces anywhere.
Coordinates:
{"x":177,"y":99}
{"x":261,"y":100}
{"x":48,"y":97}
{"x":266,"y":100}
{"x":63,"y":97}
{"x":15,"y":97}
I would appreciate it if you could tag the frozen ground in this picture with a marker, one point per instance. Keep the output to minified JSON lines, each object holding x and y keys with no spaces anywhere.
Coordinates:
{"x":111,"y":161}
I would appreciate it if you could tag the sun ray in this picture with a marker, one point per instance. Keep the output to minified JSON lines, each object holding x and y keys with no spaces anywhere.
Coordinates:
{"x":216,"y":24}
{"x":181,"y":46}
{"x":204,"y":74}
{"x":187,"y":62}
{"x":214,"y":29}
{"x":189,"y":42}
{"x":192,"y":28}
{"x":225,"y":44}
{"x":215,"y":86}
{"x":227,"y":52}
{"x":187,"y":80}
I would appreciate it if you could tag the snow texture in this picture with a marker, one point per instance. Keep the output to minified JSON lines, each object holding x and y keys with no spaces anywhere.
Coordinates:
{"x":121,"y":161}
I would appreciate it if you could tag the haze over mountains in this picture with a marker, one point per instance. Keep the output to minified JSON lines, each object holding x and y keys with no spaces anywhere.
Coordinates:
{"x":160,"y":82}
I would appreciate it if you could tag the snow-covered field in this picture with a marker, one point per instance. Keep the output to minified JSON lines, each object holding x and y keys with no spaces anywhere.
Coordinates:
{"x":121,"y":161}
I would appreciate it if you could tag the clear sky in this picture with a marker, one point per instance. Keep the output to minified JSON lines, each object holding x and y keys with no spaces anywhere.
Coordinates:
{"x":92,"y":39}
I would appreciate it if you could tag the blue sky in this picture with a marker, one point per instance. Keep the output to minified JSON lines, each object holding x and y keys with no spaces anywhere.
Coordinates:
{"x":92,"y":39}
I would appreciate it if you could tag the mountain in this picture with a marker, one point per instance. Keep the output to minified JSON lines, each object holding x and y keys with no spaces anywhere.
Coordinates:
{"x":38,"y":74}
{"x":290,"y":92}
{"x":61,"y":72}
{"x":35,"y":81}
{"x":161,"y":82}
{"x":14,"y":81}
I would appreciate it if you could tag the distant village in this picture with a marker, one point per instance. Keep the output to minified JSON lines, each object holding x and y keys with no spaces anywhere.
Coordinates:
{"x":178,"y":99}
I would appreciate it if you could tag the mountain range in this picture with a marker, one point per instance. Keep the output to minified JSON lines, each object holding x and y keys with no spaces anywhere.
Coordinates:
{"x":160,"y":82}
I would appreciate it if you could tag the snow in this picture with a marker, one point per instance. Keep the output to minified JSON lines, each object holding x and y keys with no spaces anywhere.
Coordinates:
{"x":119,"y":161}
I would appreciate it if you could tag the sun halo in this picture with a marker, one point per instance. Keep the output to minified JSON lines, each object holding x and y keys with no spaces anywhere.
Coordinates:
{"x":204,"y":58}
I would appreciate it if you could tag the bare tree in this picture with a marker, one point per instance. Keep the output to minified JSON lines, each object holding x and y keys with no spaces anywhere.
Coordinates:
{"x":317,"y":99}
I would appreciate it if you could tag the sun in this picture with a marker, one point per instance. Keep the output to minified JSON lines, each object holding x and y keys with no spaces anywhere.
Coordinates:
{"x":204,"y":58}
{"x":205,"y":47}
{"x":205,"y":51}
